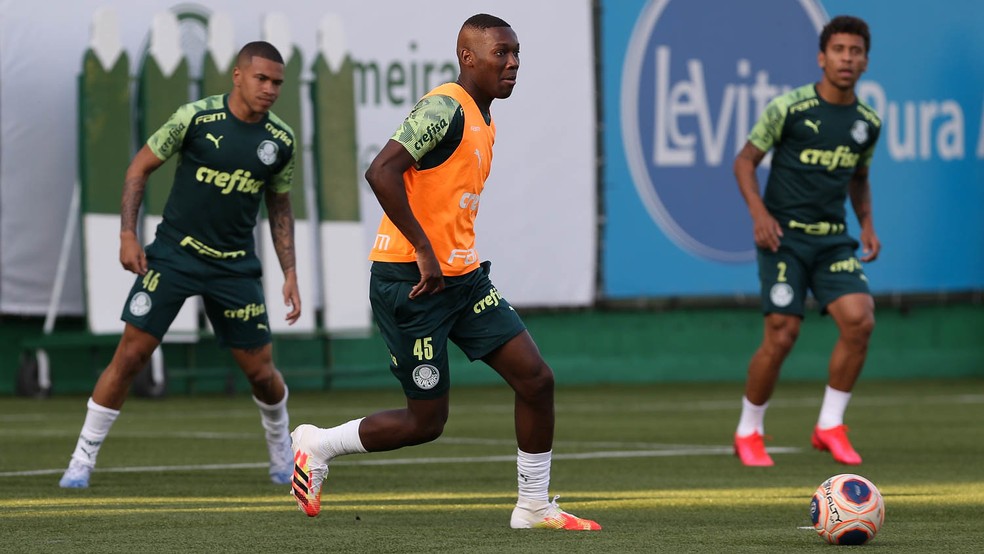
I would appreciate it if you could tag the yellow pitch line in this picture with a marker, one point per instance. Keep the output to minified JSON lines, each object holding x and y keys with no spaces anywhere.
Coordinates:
{"x":948,"y":494}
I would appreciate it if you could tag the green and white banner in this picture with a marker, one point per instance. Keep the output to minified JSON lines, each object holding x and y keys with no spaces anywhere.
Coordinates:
{"x":538,"y":222}
{"x":104,"y":143}
{"x":276,"y":30}
{"x":338,"y":179}
{"x":162,"y":78}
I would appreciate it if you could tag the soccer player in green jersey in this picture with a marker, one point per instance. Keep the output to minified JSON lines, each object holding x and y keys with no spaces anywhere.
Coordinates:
{"x":822,"y":138}
{"x":232,"y":151}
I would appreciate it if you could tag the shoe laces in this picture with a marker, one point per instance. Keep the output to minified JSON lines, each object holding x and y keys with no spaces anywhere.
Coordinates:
{"x":317,"y":474}
{"x":552,"y":509}
{"x":565,"y":520}
{"x":77,"y":470}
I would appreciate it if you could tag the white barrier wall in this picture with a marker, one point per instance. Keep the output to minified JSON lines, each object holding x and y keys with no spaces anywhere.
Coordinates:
{"x":538,"y":221}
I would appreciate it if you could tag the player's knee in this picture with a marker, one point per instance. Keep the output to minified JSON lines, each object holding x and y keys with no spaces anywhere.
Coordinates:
{"x":781,"y":335}
{"x":430,"y":430}
{"x":129,"y":360}
{"x":786,"y":339}
{"x":538,"y":383}
{"x":263,"y":377}
{"x":867,"y":325}
{"x":859,"y":328}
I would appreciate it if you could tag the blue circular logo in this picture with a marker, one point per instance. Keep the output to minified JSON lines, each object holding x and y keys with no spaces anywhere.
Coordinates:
{"x":856,"y":490}
{"x":697,"y":75}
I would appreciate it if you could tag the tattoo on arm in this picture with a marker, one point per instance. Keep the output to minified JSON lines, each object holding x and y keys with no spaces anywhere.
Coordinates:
{"x":133,"y":190}
{"x":282,"y":228}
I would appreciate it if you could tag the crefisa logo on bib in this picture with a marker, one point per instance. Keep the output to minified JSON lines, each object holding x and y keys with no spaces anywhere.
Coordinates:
{"x":696,"y":77}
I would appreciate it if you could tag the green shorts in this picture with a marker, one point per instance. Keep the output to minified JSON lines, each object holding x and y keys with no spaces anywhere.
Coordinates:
{"x":824,"y":264}
{"x":232,"y":293}
{"x":469,"y":312}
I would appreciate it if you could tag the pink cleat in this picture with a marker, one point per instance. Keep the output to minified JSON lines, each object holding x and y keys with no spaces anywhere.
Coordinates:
{"x":548,"y":515}
{"x":835,"y":440}
{"x":750,"y":449}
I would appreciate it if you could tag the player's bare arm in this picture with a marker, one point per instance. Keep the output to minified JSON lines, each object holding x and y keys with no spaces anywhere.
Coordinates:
{"x":859,"y":190}
{"x":132,"y":256}
{"x":385,"y":177}
{"x":766,"y":229}
{"x":282,"y":231}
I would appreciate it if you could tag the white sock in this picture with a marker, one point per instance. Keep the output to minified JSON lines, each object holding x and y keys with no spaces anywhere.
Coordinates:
{"x":98,"y":421}
{"x":341,"y":439}
{"x":752,"y":418}
{"x":533,"y":475}
{"x":833,"y":408}
{"x":274,"y":417}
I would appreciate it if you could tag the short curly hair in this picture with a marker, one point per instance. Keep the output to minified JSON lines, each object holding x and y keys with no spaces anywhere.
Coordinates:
{"x":845,"y":24}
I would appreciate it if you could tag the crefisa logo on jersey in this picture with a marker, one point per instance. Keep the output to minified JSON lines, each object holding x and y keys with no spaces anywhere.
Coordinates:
{"x":696,"y":77}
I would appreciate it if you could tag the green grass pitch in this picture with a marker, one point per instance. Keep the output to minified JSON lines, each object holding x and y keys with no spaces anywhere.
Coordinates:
{"x":652,"y":464}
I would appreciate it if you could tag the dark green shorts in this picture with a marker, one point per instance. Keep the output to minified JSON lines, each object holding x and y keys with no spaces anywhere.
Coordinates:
{"x":469,"y":312}
{"x":823,"y":264}
{"x":232,"y":295}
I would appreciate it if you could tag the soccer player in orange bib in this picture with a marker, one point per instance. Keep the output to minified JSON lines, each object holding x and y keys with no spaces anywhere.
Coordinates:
{"x":428,"y":286}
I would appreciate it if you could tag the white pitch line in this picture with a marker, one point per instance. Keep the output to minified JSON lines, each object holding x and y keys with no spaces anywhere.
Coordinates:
{"x":615,"y":454}
{"x":192,"y":435}
{"x":464,"y":441}
{"x":647,"y":407}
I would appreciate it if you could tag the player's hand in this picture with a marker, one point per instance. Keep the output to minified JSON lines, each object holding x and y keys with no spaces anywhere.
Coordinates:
{"x":870,"y":245}
{"x":132,"y":256}
{"x":767,"y":231}
{"x":292,"y":296}
{"x":431,"y":278}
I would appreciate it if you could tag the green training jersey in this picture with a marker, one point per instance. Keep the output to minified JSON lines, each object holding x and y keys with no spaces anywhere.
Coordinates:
{"x":433,"y":130}
{"x":224,"y":168}
{"x":818,"y":146}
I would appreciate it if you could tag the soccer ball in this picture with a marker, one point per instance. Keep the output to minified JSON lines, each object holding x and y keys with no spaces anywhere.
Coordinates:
{"x":847,"y":509}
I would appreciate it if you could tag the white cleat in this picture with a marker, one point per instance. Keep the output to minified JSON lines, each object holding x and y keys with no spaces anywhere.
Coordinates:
{"x":548,"y":515}
{"x":281,"y":459}
{"x":309,"y":470}
{"x":76,"y":476}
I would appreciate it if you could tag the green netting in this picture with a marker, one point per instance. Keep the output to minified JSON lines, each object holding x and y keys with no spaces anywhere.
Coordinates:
{"x":157,"y":98}
{"x":215,"y":81}
{"x":288,"y":108}
{"x":335,"y":150}
{"x":104,"y":133}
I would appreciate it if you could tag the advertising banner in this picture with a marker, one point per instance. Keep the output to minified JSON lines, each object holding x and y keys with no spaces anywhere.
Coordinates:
{"x":538,"y":218}
{"x":684,"y":81}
